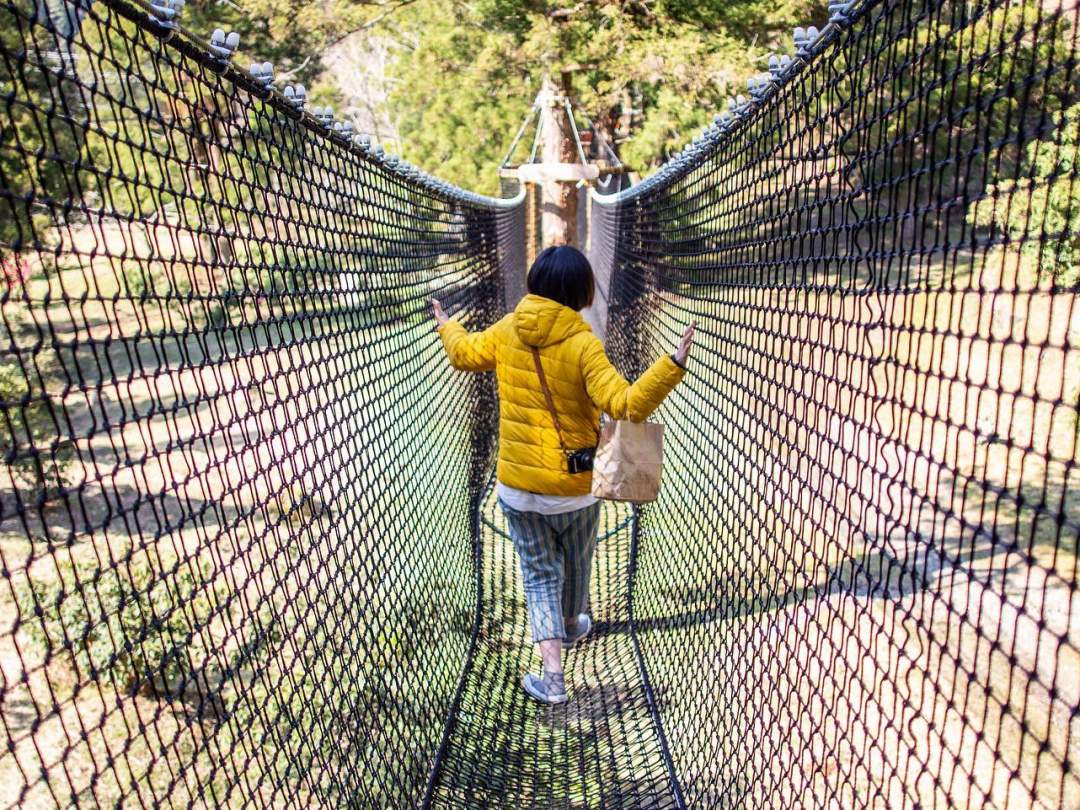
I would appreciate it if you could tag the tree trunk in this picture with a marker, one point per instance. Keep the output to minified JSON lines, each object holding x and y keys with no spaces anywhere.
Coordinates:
{"x":558,"y":200}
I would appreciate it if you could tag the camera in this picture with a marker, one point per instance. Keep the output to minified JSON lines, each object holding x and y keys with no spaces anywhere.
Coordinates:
{"x":580,"y":460}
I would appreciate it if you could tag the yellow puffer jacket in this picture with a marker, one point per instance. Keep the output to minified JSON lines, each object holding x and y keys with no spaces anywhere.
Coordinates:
{"x":581,"y":380}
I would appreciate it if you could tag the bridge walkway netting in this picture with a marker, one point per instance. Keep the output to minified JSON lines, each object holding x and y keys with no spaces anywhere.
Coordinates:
{"x":250,"y":550}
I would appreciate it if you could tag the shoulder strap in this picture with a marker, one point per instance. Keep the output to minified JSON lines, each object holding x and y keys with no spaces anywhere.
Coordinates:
{"x":547,"y":396}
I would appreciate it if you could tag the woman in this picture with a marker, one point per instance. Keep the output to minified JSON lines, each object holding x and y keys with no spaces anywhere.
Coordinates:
{"x":548,"y":505}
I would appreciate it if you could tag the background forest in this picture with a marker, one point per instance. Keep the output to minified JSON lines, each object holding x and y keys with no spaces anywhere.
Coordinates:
{"x":446,"y":83}
{"x":219,"y":507}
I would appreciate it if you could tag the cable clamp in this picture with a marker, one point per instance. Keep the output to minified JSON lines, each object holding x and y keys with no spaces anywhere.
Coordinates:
{"x":760,"y":85}
{"x":804,"y":41}
{"x":295,"y":96}
{"x":166,"y":13}
{"x":738,"y":106}
{"x":778,"y":64}
{"x":223,"y":46}
{"x":840,"y":11}
{"x":263,"y":74}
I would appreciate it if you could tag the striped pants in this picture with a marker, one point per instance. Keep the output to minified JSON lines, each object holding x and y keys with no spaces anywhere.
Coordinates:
{"x":555,"y":552}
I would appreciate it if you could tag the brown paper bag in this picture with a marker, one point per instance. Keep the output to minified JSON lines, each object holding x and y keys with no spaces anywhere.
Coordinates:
{"x":627,"y":462}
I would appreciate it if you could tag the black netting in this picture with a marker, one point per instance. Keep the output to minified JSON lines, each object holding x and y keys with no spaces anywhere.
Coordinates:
{"x":240,"y":498}
{"x":859,"y":586}
{"x":249,"y":547}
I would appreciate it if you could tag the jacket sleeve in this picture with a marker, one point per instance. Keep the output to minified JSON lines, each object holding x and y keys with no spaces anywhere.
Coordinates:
{"x":469,"y":351}
{"x":620,"y":399}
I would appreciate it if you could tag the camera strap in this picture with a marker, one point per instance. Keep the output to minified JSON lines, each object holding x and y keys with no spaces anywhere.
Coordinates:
{"x":547,"y":398}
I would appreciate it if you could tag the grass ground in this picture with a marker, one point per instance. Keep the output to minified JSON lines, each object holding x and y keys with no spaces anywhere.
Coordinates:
{"x":864,"y":591}
{"x":281,"y":467}
{"x":850,"y":592}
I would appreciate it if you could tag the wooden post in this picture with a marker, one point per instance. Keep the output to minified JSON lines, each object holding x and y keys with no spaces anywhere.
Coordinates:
{"x":558,"y":199}
{"x":532,"y":223}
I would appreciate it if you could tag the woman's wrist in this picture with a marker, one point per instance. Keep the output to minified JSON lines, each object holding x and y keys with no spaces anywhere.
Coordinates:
{"x":677,"y":362}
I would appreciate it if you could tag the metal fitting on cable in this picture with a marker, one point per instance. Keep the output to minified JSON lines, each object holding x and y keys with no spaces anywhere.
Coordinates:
{"x":799,"y":36}
{"x":778,"y":64}
{"x":840,"y":11}
{"x":343,"y":128}
{"x":295,"y":95}
{"x":738,"y":106}
{"x":263,"y":74}
{"x":166,"y":13}
{"x":760,"y":85}
{"x":223,"y":46}
{"x":804,"y":41}
{"x":324,"y":115}
{"x":363,"y":141}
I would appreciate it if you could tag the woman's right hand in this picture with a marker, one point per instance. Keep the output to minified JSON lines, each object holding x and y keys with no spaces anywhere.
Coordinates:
{"x":685,"y":342}
{"x":437,"y":311}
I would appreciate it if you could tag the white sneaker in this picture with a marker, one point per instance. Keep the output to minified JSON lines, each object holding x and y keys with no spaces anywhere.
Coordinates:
{"x":549,"y":688}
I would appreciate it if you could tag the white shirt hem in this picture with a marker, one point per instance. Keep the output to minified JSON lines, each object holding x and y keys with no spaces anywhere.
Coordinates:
{"x":523,"y":501}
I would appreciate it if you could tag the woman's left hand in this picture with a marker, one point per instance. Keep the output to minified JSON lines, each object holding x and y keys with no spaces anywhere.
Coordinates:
{"x":440,"y":316}
{"x":685,"y":342}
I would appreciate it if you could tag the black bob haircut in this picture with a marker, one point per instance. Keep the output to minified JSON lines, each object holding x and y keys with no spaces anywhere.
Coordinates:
{"x":563,"y":274}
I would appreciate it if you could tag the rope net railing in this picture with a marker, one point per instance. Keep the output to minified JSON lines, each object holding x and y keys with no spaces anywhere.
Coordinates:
{"x":249,"y":547}
{"x":239,"y":500}
{"x":859,"y":585}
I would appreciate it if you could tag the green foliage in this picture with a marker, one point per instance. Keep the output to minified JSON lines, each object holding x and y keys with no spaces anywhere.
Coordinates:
{"x":934,"y":117}
{"x":35,"y":453}
{"x":469,"y":72}
{"x":269,"y":31}
{"x":972,"y":109}
{"x":141,"y":621}
{"x":286,"y":686}
{"x":33,"y":167}
{"x":41,"y":150}
{"x":139,"y":279}
{"x":1042,"y":209}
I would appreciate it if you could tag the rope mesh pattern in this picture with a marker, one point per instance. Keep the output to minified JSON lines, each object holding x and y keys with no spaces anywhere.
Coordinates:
{"x":600,"y":749}
{"x":239,"y":502}
{"x":250,"y":551}
{"x":859,"y":585}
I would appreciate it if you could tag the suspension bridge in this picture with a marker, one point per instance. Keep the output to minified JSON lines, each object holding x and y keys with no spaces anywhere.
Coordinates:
{"x":250,"y":552}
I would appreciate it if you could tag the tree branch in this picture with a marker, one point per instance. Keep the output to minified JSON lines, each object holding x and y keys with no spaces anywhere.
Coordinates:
{"x":560,"y":14}
{"x":371,"y":23}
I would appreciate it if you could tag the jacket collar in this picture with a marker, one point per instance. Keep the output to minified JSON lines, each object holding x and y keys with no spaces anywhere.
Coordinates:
{"x":542,"y":322}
